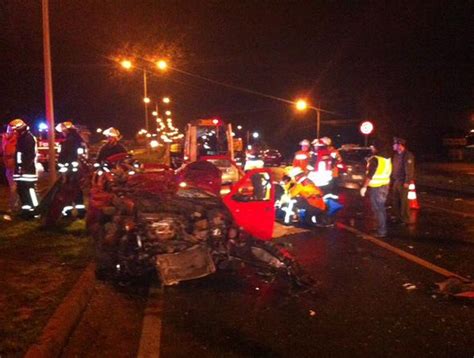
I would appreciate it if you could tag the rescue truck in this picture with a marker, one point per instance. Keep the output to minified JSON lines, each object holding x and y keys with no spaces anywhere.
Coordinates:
{"x":211,"y":140}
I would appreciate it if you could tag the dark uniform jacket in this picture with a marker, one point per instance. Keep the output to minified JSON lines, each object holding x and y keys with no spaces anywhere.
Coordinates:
{"x":403,"y":167}
{"x":70,"y":147}
{"x":110,"y":149}
{"x":25,"y":155}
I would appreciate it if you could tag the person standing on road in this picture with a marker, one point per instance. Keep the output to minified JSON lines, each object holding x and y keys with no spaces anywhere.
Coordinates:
{"x":8,"y":150}
{"x":379,"y":168}
{"x":72,"y":150}
{"x":25,"y":174}
{"x":302,"y":156}
{"x":403,"y":175}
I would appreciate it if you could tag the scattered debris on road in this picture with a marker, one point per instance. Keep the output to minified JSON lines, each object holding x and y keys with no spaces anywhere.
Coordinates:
{"x":457,"y":288}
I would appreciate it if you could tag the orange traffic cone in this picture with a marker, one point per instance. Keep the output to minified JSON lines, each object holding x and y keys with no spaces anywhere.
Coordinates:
{"x":412,"y":198}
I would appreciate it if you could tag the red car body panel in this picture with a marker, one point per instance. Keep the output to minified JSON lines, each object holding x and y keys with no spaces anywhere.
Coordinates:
{"x":257,"y":217}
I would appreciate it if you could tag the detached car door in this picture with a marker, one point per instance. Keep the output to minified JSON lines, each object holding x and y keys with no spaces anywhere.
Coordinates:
{"x":251,"y":202}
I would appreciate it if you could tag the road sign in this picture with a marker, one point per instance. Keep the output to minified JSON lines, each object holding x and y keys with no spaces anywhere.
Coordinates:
{"x":366,"y":127}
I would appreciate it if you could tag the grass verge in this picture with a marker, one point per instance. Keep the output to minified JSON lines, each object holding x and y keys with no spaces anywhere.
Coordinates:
{"x":37,"y":269}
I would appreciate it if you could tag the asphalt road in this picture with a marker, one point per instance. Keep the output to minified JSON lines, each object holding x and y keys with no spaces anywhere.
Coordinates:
{"x":358,"y":307}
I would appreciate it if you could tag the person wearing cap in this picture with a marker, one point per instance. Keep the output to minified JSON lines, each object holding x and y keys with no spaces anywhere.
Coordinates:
{"x":73,"y":150}
{"x":25,"y":174}
{"x":8,"y":149}
{"x":303,"y":155}
{"x":379,"y":168}
{"x":112,"y":146}
{"x":402,"y":175}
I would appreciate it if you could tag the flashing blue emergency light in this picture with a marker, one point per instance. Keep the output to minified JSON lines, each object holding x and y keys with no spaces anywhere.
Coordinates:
{"x":42,"y":127}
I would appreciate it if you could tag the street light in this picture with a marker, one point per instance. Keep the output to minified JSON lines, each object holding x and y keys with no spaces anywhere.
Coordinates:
{"x":127,"y":64}
{"x":255,"y":135}
{"x":162,"y":65}
{"x":302,"y":105}
{"x":166,"y":100}
{"x":168,"y":113}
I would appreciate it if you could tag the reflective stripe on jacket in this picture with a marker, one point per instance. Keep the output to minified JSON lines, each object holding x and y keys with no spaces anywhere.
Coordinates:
{"x":301,"y":159}
{"x":382,"y":173}
{"x":305,"y":187}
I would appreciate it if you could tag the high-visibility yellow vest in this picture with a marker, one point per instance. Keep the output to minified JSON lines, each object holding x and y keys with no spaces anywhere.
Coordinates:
{"x":382,"y":173}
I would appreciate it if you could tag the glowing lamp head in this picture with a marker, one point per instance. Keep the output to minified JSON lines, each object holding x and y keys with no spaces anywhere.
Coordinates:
{"x":162,"y":65}
{"x":166,"y":100}
{"x":127,"y":64}
{"x":146,"y":99}
{"x":301,"y":105}
{"x":168,"y":113}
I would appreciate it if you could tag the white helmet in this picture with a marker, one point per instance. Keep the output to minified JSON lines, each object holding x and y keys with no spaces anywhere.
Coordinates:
{"x":17,"y":124}
{"x":111,"y":132}
{"x":326,"y":141}
{"x":61,"y":127}
{"x":295,"y":171}
{"x":317,"y":142}
{"x":304,"y":142}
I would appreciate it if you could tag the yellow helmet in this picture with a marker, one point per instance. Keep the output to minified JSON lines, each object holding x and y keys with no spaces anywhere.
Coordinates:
{"x":111,"y":132}
{"x":64,"y":125}
{"x":17,"y":124}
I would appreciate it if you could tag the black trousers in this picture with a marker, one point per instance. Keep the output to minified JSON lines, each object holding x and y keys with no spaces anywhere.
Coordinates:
{"x":400,"y":204}
{"x":27,"y":194}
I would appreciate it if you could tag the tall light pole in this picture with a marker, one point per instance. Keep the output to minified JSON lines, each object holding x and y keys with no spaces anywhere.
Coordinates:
{"x":302,"y":105}
{"x":162,"y":66}
{"x":146,"y":100}
{"x":48,"y":90}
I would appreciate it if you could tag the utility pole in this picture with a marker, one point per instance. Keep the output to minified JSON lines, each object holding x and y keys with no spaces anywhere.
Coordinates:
{"x":318,"y":121}
{"x":48,"y":91}
{"x":145,"y":99}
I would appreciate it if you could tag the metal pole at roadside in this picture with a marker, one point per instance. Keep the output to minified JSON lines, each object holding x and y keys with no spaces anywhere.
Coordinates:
{"x":318,"y":122}
{"x":48,"y":91}
{"x":145,"y":99}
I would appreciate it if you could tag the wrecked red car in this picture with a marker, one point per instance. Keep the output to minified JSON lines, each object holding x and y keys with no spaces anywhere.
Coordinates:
{"x":145,"y":222}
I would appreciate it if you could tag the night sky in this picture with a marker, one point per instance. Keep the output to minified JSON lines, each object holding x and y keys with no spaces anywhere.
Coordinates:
{"x":407,"y":65}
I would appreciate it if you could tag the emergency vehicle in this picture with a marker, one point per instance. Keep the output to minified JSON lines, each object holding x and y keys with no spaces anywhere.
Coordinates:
{"x":43,"y":145}
{"x":211,"y":139}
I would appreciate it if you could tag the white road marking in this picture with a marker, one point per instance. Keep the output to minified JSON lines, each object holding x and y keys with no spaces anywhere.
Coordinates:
{"x":406,"y":255}
{"x":150,"y":339}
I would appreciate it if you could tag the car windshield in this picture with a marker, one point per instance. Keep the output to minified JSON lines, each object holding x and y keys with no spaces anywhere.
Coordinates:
{"x":355,"y":155}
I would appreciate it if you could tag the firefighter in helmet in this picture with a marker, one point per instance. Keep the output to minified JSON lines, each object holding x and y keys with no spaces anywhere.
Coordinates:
{"x":73,"y":151}
{"x":320,"y":164}
{"x":112,"y":146}
{"x":336,"y":160}
{"x":25,"y":174}
{"x":302,"y":156}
